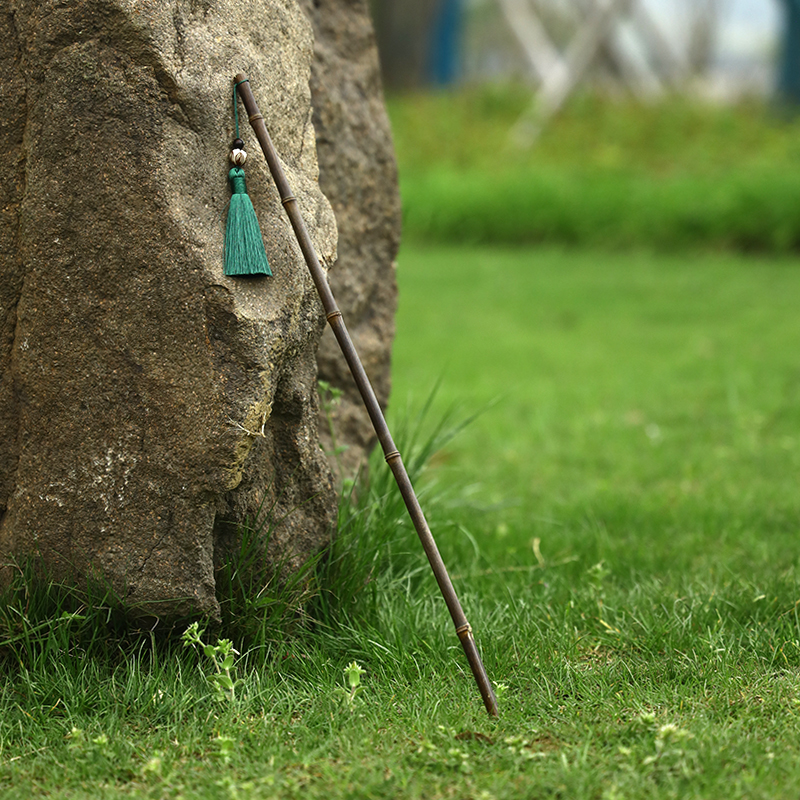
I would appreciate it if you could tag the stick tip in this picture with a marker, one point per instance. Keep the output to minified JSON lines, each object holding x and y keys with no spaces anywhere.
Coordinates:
{"x":239,"y":77}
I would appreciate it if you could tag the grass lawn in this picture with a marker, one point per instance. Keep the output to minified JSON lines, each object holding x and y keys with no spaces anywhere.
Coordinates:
{"x":620,"y":521}
{"x":629,"y":385}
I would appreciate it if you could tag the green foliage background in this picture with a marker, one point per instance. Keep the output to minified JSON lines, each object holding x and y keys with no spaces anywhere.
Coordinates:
{"x":674,"y":174}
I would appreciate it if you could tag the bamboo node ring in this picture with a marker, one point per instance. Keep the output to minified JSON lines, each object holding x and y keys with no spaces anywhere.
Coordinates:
{"x":389,"y":457}
{"x":464,"y":631}
{"x":331,"y":315}
{"x":255,"y":116}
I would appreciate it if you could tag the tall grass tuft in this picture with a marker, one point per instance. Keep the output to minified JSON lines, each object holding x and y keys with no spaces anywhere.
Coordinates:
{"x":376,"y":554}
{"x":263,"y":601}
{"x":42,"y":620}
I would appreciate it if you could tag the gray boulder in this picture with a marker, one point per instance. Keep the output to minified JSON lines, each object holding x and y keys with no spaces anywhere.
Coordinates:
{"x":148,"y":404}
{"x":358,"y":174}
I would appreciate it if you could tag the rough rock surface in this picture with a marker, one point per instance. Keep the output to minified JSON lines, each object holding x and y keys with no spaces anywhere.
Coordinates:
{"x":358,"y":174}
{"x":147,"y":402}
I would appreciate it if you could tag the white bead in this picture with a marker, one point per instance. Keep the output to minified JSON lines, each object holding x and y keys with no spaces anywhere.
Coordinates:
{"x":238,"y":157}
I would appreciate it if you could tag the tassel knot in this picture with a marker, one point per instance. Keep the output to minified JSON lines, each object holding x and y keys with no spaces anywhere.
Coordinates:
{"x":237,"y":181}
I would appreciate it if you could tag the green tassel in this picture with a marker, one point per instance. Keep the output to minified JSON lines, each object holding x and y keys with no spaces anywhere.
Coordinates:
{"x":244,"y":246}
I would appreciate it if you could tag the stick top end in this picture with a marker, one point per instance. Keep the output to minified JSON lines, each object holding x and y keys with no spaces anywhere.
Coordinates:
{"x":240,"y":76}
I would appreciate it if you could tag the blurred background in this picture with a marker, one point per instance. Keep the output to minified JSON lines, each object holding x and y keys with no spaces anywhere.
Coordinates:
{"x":616,"y":122}
{"x":601,"y":205}
{"x":720,"y":48}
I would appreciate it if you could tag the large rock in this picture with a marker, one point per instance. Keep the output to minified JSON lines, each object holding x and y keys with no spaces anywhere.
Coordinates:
{"x":148,"y":403}
{"x":358,"y":174}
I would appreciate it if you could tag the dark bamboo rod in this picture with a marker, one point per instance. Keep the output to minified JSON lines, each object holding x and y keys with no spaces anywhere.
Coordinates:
{"x":391,"y":454}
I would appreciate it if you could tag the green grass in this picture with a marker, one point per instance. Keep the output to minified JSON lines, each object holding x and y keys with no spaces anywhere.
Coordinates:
{"x":673,"y":174}
{"x":664,"y":380}
{"x":621,"y":524}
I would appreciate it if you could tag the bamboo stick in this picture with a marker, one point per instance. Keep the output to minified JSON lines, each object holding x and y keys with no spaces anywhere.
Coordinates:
{"x":391,"y":454}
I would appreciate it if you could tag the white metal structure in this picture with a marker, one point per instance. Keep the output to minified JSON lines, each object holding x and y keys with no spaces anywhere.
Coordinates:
{"x":600,"y":26}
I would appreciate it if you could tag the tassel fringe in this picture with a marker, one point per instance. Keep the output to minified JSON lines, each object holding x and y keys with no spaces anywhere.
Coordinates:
{"x":244,"y":245}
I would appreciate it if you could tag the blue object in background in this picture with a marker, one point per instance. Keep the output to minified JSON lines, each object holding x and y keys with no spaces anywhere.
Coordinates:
{"x":445,"y":46}
{"x":789,"y":67}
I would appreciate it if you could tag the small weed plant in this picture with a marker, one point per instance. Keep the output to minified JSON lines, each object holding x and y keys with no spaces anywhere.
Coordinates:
{"x":220,"y":657}
{"x":352,"y":679}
